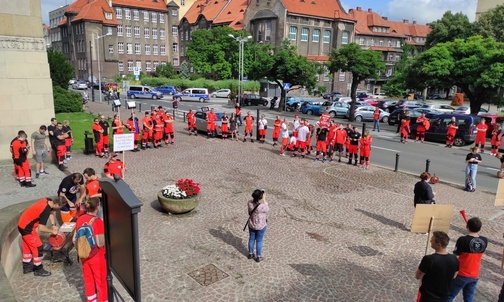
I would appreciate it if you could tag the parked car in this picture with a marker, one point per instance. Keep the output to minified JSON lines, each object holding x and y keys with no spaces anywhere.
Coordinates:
{"x":335,"y":108}
{"x":408,"y":104}
{"x":428,"y":111}
{"x":143,"y":92}
{"x":492,"y":120}
{"x":255,"y":100}
{"x":467,"y":110}
{"x":80,"y":85}
{"x":72,"y":81}
{"x":385,"y":104}
{"x":434,"y":96}
{"x":379,"y":96}
{"x":366,"y":113}
{"x":345,"y":99}
{"x":201,"y":123}
{"x":193,"y":94}
{"x":291,"y":99}
{"x":393,"y":116}
{"x":438,"y":126}
{"x":439,"y":107}
{"x":221,"y":93}
{"x":332,"y":95}
{"x":167,"y":89}
{"x":371,"y":102}
{"x":311,"y":107}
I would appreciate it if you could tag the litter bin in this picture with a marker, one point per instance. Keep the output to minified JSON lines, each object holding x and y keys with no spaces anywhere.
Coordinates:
{"x":88,"y":144}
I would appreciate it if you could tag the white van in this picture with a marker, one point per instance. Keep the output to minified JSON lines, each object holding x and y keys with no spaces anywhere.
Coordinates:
{"x":193,"y":94}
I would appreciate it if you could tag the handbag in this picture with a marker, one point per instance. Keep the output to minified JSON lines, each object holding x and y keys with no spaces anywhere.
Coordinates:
{"x":265,"y":127}
{"x":245,"y":227}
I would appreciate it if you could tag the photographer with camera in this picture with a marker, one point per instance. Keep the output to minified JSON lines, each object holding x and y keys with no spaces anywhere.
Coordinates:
{"x":258,"y":217}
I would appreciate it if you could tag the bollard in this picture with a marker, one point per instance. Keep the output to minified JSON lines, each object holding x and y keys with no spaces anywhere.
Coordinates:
{"x":427,"y":164}
{"x":363,"y":128}
{"x":139,"y":105}
{"x":184,"y":116}
{"x":257,"y":125}
{"x":396,"y":162}
{"x":174,"y":114}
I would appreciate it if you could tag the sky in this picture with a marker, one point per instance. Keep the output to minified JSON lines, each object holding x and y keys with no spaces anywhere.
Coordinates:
{"x":422,"y":11}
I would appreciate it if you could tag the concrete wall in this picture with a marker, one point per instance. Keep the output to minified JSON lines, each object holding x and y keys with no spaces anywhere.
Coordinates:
{"x":26,"y":101}
{"x":485,"y":5}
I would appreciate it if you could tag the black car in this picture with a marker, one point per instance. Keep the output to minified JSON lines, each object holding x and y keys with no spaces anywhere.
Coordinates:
{"x":255,"y":100}
{"x":387,"y":105}
{"x":331,"y":95}
{"x":438,"y":127}
{"x":434,"y":96}
{"x":393,"y":116}
{"x":409,"y":104}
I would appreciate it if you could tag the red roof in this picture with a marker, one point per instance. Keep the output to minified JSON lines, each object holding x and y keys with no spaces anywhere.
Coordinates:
{"x":95,"y":10}
{"x":158,"y":5}
{"x":63,"y":21}
{"x":317,"y":58}
{"x":232,"y":14}
{"x":209,"y":9}
{"x":47,"y":27}
{"x":319,"y":8}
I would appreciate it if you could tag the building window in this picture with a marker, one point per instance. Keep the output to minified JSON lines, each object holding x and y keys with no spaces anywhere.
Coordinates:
{"x":128,"y":31}
{"x":187,"y":35}
{"x":304,"y":34}
{"x":155,"y":64}
{"x":129,"y":48}
{"x":146,"y":33}
{"x":130,"y":65}
{"x":138,"y":49}
{"x":397,"y":57}
{"x":163,"y":50}
{"x":175,"y":47}
{"x":175,"y":62}
{"x":391,"y":57}
{"x":139,"y":64}
{"x":155,"y":49}
{"x":381,"y":43}
{"x":109,"y":31}
{"x":161,"y":18}
{"x":148,"y":66}
{"x":154,"y":33}
{"x":136,"y":15}
{"x":119,"y":30}
{"x":292,"y":33}
{"x":137,"y":31}
{"x":147,"y":49}
{"x":341,"y":76}
{"x":327,"y":36}
{"x":118,"y":13}
{"x":121,"y":66}
{"x":111,"y":48}
{"x":120,"y":47}
{"x":154,"y":17}
{"x":127,"y":14}
{"x":161,"y":34}
{"x":174,"y":12}
{"x":146,"y":16}
{"x":182,"y":2}
{"x":326,"y":74}
{"x":389,"y":72}
{"x":344,"y":37}
{"x":372,"y":42}
{"x":182,"y":52}
{"x":316,"y":35}
{"x":398,"y":44}
{"x":361,"y":41}
{"x":389,"y":43}
{"x":174,"y":31}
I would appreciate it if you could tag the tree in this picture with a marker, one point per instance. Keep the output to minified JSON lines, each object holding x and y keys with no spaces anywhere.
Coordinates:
{"x":448,"y":28}
{"x":184,"y":70}
{"x":363,"y":64}
{"x":490,"y":24}
{"x":60,"y":69}
{"x":165,"y":71}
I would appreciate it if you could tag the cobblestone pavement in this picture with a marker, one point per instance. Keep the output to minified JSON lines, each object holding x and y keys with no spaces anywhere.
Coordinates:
{"x":335,"y":232}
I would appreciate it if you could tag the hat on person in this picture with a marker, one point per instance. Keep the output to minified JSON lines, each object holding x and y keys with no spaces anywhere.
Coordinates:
{"x":258,"y":194}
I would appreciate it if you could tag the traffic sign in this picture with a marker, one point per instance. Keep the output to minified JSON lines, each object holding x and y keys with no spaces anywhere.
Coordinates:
{"x":286,"y":86}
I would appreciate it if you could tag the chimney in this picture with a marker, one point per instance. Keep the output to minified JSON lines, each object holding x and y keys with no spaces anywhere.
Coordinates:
{"x":414,"y":22}
{"x":385,"y":18}
{"x":369,"y":10}
{"x":109,"y":2}
{"x":359,"y":8}
{"x":405,"y":21}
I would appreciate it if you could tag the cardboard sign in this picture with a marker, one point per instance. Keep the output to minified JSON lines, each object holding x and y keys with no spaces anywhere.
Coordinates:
{"x":423,"y":212}
{"x":124,"y":142}
{"x":324,"y":120}
{"x":499,"y":197}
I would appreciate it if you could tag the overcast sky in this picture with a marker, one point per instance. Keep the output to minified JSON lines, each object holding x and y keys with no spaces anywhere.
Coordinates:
{"x":422,"y":11}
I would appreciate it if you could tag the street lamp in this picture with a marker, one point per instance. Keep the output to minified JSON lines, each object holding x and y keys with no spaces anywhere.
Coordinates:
{"x":241,"y":41}
{"x":98,"y":56}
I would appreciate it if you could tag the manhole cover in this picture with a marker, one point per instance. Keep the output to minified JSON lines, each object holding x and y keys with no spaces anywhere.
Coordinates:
{"x":364,"y":251}
{"x":208,"y":275}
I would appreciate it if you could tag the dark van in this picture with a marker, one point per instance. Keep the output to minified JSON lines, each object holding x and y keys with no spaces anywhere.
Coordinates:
{"x":466,"y":133}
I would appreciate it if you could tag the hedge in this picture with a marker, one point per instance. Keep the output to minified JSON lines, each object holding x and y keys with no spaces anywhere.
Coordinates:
{"x":182,"y":84}
{"x":66,"y":101}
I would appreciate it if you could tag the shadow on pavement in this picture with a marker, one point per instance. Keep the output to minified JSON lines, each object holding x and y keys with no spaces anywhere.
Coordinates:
{"x":384,"y":220}
{"x":230,"y":239}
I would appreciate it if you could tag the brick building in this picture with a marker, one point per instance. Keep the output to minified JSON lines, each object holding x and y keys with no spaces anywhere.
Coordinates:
{"x":133,"y":33}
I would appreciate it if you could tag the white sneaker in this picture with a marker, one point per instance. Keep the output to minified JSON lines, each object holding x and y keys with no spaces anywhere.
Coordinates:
{"x":283,"y":154}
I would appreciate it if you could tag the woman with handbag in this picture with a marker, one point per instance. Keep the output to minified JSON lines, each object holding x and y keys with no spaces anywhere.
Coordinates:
{"x":258,"y":212}
{"x":423,"y":191}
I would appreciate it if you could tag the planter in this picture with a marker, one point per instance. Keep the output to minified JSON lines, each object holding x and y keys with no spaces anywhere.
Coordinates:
{"x":178,"y":206}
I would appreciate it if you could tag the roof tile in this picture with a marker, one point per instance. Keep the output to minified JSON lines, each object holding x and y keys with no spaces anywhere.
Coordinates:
{"x":319,"y":8}
{"x":158,"y":5}
{"x":95,"y":11}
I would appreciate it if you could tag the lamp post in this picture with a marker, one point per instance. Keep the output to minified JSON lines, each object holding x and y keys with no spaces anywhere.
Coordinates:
{"x":241,"y":41}
{"x":91,"y":65}
{"x":98,"y":57}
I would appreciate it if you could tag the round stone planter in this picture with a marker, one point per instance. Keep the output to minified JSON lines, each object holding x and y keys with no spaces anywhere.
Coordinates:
{"x":178,"y":206}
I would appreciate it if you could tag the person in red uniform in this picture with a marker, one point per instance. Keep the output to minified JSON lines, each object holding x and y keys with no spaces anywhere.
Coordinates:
{"x":348,"y":130}
{"x":105,"y":126}
{"x":117,"y":125}
{"x":191,"y":123}
{"x":481,"y":129}
{"x":365,"y":149}
{"x":420,"y":133}
{"x":20,"y":149}
{"x":147,"y":134}
{"x":405,"y":127}
{"x":16,"y":167}
{"x":60,"y":137}
{"x":451,"y":132}
{"x":69,"y":140}
{"x":94,"y":267}
{"x":67,"y":190}
{"x":331,"y":134}
{"x":168,"y":128}
{"x":134,"y":127}
{"x":496,"y":139}
{"x":211,"y":119}
{"x":33,"y":219}
{"x":249,"y":122}
{"x":340,"y":139}
{"x":114,"y":167}
{"x":354,"y":137}
{"x":238,"y":113}
{"x":158,"y":129}
{"x":376,"y":119}
{"x":98,"y":136}
{"x":93,"y":188}
{"x":321,"y":146}
{"x":225,"y":125}
{"x":277,"y":124}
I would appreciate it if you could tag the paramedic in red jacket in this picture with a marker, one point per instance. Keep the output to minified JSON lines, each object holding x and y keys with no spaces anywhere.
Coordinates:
{"x":33,"y":218}
{"x":481,"y":129}
{"x":94,"y":267}
{"x":277,"y":124}
{"x":147,"y":133}
{"x":211,"y":119}
{"x":365,"y":149}
{"x":20,"y":149}
{"x":420,"y":133}
{"x":451,"y":132}
{"x":191,"y":123}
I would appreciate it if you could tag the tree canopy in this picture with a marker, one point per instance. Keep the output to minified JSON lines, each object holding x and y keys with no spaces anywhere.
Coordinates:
{"x":491,"y":24}
{"x":165,"y":71}
{"x":448,"y":28}
{"x":60,"y":69}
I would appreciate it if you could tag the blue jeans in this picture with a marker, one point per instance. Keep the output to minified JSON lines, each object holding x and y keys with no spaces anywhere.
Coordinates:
{"x":471,"y":170}
{"x":256,"y":237}
{"x":467,"y":285}
{"x":376,"y":124}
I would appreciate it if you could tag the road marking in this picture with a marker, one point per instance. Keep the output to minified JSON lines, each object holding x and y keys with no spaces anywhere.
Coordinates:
{"x":493,"y":169}
{"x":392,"y":150}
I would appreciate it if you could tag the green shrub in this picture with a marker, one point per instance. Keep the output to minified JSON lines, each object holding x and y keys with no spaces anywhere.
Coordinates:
{"x":66,"y":101}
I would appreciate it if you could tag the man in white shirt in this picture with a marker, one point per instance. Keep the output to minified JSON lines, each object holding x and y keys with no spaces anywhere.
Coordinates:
{"x":302,"y":133}
{"x":295,"y":125}
{"x":285,"y":136}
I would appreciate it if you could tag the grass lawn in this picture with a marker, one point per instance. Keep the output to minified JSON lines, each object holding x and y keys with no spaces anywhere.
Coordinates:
{"x":79,"y":122}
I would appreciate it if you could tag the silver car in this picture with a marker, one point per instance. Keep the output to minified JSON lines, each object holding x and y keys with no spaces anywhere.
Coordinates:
{"x":439,"y":107}
{"x":221,"y":93}
{"x":201,"y":123}
{"x":366,"y":113}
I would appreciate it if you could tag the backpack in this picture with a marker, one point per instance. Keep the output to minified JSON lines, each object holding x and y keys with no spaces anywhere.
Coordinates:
{"x":86,"y":242}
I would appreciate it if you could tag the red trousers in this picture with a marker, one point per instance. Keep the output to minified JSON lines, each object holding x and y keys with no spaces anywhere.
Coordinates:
{"x":60,"y":153}
{"x":480,"y":139}
{"x":24,"y":171}
{"x":32,"y":248}
{"x":99,"y":146}
{"x":353,"y":149}
{"x":94,"y":271}
{"x":276,"y":133}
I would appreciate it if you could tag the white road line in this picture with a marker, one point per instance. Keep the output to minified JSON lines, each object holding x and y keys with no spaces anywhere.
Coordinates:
{"x":374,"y":147}
{"x":493,"y":169}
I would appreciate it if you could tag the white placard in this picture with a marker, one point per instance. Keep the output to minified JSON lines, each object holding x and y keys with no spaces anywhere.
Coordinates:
{"x":124,"y":142}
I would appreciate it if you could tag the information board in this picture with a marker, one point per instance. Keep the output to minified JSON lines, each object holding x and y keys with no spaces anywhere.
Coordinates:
{"x":124,"y":142}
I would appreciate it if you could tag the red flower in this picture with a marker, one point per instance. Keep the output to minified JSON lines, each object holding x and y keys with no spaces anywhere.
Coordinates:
{"x":189,"y":186}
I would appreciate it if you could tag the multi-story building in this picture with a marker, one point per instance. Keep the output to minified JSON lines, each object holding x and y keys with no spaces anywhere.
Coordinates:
{"x":55,"y":17}
{"x":486,"y":5}
{"x":184,"y":6}
{"x":121,"y":33}
{"x":47,"y":35}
